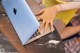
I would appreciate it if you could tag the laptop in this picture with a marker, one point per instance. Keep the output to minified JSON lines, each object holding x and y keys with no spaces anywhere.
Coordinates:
{"x":21,"y":17}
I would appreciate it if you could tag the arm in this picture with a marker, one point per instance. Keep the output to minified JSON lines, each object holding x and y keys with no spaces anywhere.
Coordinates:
{"x":47,"y":14}
{"x":69,"y":6}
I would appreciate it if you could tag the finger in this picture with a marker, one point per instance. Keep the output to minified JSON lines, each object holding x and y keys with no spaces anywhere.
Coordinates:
{"x":40,"y":12}
{"x":41,"y":26}
{"x":46,"y":26}
{"x":39,"y":18}
{"x":51,"y":25}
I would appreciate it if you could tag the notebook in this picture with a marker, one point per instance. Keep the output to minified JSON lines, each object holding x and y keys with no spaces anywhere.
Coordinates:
{"x":22,"y":19}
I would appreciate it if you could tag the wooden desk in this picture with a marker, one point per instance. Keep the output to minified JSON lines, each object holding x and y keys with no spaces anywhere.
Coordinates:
{"x":7,"y":29}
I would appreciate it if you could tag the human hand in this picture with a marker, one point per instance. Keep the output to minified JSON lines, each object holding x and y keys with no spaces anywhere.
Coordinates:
{"x":47,"y":16}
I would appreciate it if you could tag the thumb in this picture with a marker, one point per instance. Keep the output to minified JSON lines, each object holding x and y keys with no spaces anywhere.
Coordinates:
{"x":40,"y":12}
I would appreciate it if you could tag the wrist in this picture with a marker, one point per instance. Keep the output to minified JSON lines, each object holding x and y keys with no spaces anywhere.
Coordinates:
{"x":58,"y":7}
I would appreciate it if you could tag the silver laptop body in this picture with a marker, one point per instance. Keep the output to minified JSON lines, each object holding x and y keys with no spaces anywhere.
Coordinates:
{"x":21,"y":17}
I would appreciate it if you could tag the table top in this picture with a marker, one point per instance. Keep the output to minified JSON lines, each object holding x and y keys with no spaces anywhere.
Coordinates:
{"x":9,"y":32}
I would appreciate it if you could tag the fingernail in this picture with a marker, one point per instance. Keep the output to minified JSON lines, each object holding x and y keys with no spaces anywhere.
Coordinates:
{"x":39,"y":32}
